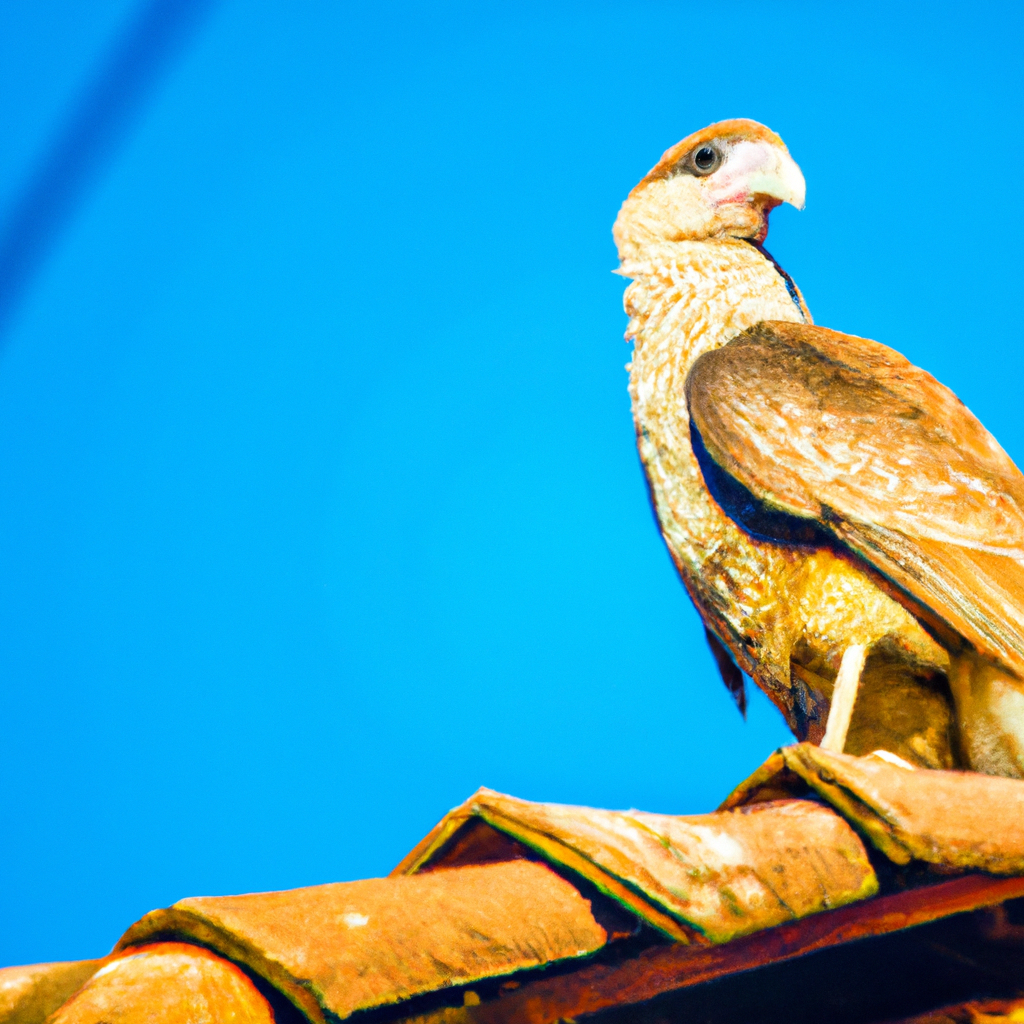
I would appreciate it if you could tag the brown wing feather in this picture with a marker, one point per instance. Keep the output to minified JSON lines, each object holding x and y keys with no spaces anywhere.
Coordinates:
{"x":843,"y":430}
{"x":729,"y":671}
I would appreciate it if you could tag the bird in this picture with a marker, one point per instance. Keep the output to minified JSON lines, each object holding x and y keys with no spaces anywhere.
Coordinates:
{"x":850,"y":534}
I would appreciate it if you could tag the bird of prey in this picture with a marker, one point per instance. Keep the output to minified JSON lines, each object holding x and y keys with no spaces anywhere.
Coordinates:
{"x":850,"y":533}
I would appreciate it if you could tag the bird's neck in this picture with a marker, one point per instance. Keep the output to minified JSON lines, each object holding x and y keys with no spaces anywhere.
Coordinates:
{"x":689,"y":297}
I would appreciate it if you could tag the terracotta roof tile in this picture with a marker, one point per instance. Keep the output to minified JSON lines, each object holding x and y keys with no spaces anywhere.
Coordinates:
{"x":707,"y":877}
{"x":502,"y":886}
{"x":29,"y":994}
{"x":335,"y":949}
{"x":167,"y":983}
{"x":960,"y":820}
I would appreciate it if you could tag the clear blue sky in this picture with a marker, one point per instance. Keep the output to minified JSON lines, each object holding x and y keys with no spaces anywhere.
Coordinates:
{"x":319,"y":505}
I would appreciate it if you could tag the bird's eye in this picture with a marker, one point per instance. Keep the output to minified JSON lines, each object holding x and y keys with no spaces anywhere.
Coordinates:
{"x":706,"y":160}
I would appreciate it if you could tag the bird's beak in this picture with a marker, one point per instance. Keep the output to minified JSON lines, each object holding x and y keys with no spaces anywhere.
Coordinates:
{"x":783,"y":181}
{"x":760,"y":169}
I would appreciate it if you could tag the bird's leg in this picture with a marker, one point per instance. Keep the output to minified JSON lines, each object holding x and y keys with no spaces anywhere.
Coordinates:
{"x":844,"y":696}
{"x":990,"y":715}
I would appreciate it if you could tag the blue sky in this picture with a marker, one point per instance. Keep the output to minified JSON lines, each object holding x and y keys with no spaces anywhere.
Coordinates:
{"x":319,"y":505}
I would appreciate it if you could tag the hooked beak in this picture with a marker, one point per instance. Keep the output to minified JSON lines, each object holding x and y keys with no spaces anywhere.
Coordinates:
{"x":760,"y":169}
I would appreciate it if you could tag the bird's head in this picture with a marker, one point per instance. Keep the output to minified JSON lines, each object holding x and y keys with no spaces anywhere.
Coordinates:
{"x":720,"y":182}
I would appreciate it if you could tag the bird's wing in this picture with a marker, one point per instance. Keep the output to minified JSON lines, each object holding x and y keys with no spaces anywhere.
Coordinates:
{"x":730,"y":672}
{"x":847,"y":432}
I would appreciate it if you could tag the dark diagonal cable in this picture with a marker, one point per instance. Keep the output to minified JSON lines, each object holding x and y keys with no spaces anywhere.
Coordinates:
{"x":105,"y":109}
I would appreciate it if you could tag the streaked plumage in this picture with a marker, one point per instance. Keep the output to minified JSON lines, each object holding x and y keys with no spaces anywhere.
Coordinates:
{"x":828,"y":495}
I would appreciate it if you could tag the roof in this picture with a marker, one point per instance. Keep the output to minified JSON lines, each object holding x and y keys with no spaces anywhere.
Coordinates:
{"x":516,"y":911}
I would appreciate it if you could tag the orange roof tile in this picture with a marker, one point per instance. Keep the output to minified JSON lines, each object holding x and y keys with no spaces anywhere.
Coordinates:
{"x":957,"y":820}
{"x":32,"y":993}
{"x":710,"y":877}
{"x":167,"y":983}
{"x":501,"y":887}
{"x":335,"y":949}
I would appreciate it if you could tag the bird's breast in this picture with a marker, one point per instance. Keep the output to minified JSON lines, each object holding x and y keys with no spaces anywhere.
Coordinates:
{"x":763,"y":596}
{"x":688,"y":298}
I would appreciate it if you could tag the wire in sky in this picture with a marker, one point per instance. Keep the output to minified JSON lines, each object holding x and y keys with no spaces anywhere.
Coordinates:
{"x":106,"y":108}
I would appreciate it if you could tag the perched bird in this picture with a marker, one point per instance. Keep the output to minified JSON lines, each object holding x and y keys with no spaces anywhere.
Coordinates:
{"x":850,"y":533}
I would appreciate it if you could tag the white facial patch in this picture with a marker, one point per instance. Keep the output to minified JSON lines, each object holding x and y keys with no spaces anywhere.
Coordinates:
{"x":757,"y":168}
